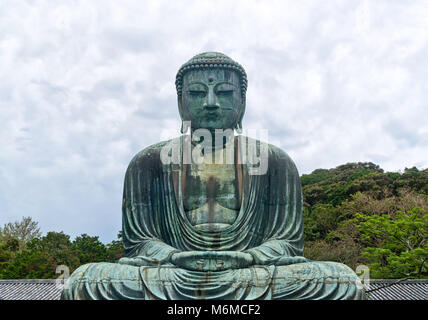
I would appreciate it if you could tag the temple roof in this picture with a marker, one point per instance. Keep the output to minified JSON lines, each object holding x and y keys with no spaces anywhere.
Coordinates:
{"x":393,"y":290}
{"x":48,"y":290}
{"x":29,"y":290}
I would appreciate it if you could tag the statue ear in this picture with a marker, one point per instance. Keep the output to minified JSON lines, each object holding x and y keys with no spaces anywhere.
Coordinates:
{"x":238,"y":126}
{"x":184,"y":122}
{"x":180,"y":110}
{"x":184,"y":127}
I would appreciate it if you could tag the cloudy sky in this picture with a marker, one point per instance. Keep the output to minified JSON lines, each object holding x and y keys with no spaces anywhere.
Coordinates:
{"x":85,"y":85}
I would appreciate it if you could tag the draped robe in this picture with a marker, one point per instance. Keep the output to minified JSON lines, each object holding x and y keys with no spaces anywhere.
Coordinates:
{"x":269,"y":227}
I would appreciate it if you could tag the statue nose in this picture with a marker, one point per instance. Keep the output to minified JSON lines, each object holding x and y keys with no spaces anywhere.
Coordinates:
{"x":211,"y":102}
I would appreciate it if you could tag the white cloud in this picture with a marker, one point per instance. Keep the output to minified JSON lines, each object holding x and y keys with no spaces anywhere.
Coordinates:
{"x":86,"y":85}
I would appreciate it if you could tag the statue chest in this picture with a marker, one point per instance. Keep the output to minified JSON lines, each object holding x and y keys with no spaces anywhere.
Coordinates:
{"x":210,"y":197}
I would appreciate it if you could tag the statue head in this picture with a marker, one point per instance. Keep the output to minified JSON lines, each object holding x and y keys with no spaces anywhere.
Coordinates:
{"x":211,"y":90}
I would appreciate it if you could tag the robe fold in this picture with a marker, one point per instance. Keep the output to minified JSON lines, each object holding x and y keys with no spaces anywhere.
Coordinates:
{"x":269,"y":227}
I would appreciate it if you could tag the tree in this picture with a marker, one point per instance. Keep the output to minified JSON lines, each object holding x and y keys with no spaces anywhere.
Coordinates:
{"x":413,"y":179}
{"x":89,"y":249}
{"x":41,"y":257}
{"x":25,"y":230}
{"x":333,"y":186}
{"x":8,"y":250}
{"x":332,"y":233}
{"x":396,"y":246}
{"x":322,"y":219}
{"x":344,"y":251}
{"x":115,"y":249}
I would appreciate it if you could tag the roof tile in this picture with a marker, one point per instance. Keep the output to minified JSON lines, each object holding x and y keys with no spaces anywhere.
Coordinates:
{"x":377,"y":290}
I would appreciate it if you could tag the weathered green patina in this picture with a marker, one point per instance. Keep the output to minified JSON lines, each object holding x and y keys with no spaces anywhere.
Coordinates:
{"x":208,"y":225}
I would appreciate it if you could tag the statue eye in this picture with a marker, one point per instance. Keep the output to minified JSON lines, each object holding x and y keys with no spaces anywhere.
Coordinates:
{"x":224,"y":89}
{"x":197,"y":93}
{"x":224,"y":92}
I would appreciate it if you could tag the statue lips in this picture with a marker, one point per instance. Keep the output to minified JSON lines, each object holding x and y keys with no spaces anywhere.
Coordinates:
{"x":212,"y":114}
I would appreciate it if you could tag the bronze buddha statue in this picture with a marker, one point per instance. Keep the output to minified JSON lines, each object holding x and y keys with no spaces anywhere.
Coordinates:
{"x":207,"y":224}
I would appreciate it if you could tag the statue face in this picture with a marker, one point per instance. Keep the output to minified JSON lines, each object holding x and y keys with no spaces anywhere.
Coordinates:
{"x":211,"y":98}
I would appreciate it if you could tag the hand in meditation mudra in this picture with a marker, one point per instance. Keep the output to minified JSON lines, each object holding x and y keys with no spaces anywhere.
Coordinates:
{"x":203,"y":220}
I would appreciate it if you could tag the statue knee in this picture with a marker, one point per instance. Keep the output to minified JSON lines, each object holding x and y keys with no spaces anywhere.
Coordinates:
{"x":316,"y":269}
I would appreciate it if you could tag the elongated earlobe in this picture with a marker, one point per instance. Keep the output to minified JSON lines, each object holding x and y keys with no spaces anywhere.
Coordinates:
{"x":184,"y":126}
{"x":238,"y":127}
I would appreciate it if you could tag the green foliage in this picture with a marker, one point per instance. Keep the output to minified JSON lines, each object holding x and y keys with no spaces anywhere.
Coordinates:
{"x":414,"y":180}
{"x":397,"y":245}
{"x":115,"y":249}
{"x":374,"y":183}
{"x":344,"y":251}
{"x":315,"y":177}
{"x":341,"y":245}
{"x":393,"y":175}
{"x":335,"y":201}
{"x":318,"y":222}
{"x":8,"y":250}
{"x":333,"y":186}
{"x":89,"y":249}
{"x":5,"y":256}
{"x":336,"y":185}
{"x":24,"y":231}
{"x":42,"y":255}
{"x":12,"y":245}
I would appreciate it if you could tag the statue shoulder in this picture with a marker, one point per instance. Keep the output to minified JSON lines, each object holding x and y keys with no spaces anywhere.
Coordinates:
{"x":149,"y":157}
{"x":278,"y":158}
{"x":279,"y":154}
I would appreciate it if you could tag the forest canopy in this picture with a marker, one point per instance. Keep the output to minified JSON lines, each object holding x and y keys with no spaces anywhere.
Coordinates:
{"x":357,"y":214}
